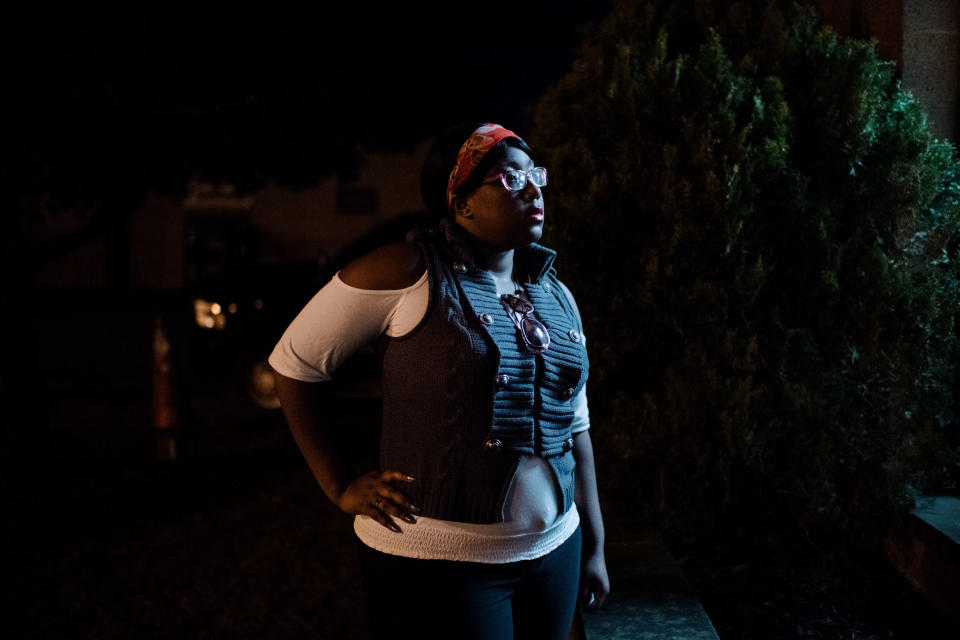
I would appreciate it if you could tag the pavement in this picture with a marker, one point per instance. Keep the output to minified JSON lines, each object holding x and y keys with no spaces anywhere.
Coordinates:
{"x":652,"y":599}
{"x":222,"y":547}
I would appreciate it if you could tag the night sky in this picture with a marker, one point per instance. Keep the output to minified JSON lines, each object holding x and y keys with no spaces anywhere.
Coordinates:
{"x":147,"y":98}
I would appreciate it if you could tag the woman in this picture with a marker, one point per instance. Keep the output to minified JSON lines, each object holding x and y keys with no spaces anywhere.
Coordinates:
{"x":471,"y":526}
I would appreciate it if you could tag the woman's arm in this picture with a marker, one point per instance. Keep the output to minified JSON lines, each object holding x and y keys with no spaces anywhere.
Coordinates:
{"x":594,"y":582}
{"x":302,"y":404}
{"x":332,"y":326}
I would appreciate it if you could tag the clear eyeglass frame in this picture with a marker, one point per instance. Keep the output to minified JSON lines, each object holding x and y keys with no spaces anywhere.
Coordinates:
{"x":515,"y":180}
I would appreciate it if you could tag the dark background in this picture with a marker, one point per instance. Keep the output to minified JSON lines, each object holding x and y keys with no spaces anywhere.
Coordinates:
{"x":231,"y":538}
{"x":246,"y":94}
{"x":214,"y":526}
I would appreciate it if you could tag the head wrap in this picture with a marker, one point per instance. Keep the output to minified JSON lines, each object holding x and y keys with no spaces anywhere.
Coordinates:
{"x":471,"y":153}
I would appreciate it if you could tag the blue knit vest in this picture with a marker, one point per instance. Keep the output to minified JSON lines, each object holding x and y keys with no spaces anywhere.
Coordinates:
{"x":463,"y":398}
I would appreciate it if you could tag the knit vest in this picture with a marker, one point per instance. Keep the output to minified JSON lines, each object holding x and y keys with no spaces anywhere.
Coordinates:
{"x":463,"y":398}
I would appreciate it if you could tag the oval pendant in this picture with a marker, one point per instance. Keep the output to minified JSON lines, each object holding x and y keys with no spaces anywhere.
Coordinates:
{"x":536,"y":334}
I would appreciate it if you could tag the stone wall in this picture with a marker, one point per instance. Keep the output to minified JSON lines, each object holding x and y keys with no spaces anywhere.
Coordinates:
{"x":921,"y":36}
{"x":931,"y":60}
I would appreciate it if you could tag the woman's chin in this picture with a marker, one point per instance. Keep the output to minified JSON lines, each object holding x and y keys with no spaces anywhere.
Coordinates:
{"x":535,"y":232}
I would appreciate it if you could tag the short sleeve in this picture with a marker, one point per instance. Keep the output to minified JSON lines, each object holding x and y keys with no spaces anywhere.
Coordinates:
{"x":338,"y":321}
{"x":581,"y":413}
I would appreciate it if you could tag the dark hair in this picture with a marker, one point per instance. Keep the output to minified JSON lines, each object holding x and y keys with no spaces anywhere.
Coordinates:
{"x":443,"y":156}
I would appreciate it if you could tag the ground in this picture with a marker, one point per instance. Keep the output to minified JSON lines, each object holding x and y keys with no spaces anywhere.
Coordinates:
{"x":241,"y":543}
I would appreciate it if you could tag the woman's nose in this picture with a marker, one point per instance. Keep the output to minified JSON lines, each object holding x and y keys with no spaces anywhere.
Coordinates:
{"x":531,"y":191}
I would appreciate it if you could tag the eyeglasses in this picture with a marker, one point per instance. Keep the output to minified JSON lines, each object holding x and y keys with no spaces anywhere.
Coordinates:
{"x":532,"y":331}
{"x":515,"y":180}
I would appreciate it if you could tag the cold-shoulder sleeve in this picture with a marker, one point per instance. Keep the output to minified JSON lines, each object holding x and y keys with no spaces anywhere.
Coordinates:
{"x":339,"y":320}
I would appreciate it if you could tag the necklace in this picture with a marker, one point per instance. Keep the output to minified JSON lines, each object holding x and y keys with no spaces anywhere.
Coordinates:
{"x":511,"y":285}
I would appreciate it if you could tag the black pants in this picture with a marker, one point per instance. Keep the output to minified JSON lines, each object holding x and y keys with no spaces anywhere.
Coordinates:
{"x":526,"y":600}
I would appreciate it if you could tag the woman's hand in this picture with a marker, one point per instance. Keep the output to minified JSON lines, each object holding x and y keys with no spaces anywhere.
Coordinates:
{"x":594,"y":582}
{"x":372,"y":495}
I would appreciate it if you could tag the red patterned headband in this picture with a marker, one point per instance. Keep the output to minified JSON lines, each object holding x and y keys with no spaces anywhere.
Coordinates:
{"x":471,"y":153}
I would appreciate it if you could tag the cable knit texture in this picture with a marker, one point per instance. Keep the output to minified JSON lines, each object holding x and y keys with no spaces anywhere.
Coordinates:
{"x":446,"y":402}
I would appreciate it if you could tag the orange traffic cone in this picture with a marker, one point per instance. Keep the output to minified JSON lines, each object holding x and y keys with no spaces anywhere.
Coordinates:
{"x":166,"y":417}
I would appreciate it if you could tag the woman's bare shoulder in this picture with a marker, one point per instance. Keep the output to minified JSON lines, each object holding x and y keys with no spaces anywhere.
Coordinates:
{"x":392,"y":266}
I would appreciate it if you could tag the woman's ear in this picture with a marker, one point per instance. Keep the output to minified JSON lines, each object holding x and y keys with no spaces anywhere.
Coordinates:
{"x":460,"y":208}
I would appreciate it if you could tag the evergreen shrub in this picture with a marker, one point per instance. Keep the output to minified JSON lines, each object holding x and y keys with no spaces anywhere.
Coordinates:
{"x":762,"y":235}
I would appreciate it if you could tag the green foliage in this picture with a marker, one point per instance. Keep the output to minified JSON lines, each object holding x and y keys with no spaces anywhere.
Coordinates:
{"x":763,"y":236}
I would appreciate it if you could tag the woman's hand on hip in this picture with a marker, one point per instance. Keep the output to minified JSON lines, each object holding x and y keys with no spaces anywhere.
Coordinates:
{"x":372,"y":495}
{"x":594,"y":582}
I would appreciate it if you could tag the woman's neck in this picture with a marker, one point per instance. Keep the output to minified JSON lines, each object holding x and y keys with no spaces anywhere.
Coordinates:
{"x":501,"y":269}
{"x":499,"y":262}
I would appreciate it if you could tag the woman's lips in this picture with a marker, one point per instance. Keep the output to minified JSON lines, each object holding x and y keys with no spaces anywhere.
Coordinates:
{"x":537,"y":214}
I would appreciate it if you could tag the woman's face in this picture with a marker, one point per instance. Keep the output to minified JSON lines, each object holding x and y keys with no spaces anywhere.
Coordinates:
{"x":500,"y":218}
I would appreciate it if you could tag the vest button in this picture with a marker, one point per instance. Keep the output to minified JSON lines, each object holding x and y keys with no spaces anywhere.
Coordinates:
{"x":502,"y":381}
{"x":459,"y":267}
{"x":574,"y":335}
{"x":546,"y":286}
{"x":492,"y":445}
{"x":486,"y":318}
{"x":569,"y":392}
{"x":568,"y":444}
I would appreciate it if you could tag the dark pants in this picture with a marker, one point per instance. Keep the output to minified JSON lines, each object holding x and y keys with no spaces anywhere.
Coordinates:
{"x":530,"y":599}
